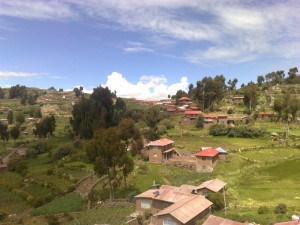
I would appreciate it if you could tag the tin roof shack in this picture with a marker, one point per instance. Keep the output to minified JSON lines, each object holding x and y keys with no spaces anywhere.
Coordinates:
{"x":206,"y":160}
{"x":210,"y":186}
{"x":160,"y":150}
{"x":215,"y":220}
{"x":184,"y":212}
{"x":223,"y":154}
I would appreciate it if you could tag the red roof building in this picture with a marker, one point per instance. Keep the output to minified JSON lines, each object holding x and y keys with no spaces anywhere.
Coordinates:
{"x":206,"y":160}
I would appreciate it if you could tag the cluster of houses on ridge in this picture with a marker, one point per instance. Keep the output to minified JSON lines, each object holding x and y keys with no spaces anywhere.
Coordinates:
{"x":182,"y":205}
{"x":161,"y":150}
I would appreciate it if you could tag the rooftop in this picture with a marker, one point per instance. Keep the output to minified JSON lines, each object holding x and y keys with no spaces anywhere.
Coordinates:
{"x":209,"y":152}
{"x":214,"y":185}
{"x":160,"y":142}
{"x":213,"y":220}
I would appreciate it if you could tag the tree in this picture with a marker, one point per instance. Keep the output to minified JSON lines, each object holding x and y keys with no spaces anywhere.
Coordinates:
{"x":10,"y":117}
{"x":91,"y":114}
{"x":16,"y":91}
{"x":179,"y":94}
{"x":232,"y":84}
{"x":287,"y":107}
{"x":4,"y":134}
{"x":20,"y":118}
{"x":105,"y":150}
{"x":200,"y":121}
{"x":15,"y":132}
{"x":1,"y":93}
{"x":218,"y":200}
{"x":260,"y":80}
{"x":250,"y":96}
{"x":120,"y":110}
{"x":78,"y":91}
{"x":209,"y":91}
{"x":152,"y":118}
{"x":131,"y":135}
{"x":45,"y":127}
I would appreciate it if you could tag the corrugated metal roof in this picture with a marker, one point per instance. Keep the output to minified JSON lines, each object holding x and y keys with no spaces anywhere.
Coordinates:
{"x":209,"y":152}
{"x":160,"y":142}
{"x":213,"y":185}
{"x":295,"y":222}
{"x":184,"y":99}
{"x":215,"y":220}
{"x":221,"y":150}
{"x":187,"y":208}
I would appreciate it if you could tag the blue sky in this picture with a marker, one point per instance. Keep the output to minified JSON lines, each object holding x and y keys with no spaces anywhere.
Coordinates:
{"x":144,"y":48}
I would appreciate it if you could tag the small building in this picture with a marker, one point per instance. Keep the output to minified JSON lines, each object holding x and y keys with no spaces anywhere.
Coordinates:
{"x":184,"y":212}
{"x":215,"y":220}
{"x":237,"y":99}
{"x":223,"y":154}
{"x":184,"y":101}
{"x":190,"y":116}
{"x":160,"y":150}
{"x":210,"y":186}
{"x":206,"y":160}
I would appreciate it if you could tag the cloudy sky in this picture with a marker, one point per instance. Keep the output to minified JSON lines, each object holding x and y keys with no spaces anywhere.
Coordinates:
{"x":144,"y":48}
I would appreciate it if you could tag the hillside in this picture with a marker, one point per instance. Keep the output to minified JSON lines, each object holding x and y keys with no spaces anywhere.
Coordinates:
{"x":259,"y":172}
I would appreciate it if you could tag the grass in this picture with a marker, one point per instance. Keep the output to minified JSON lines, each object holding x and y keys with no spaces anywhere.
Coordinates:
{"x":68,"y":203}
{"x":113,"y":216}
{"x":11,"y":202}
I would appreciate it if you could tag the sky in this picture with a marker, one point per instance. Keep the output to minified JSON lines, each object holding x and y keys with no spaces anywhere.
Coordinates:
{"x":145,"y":49}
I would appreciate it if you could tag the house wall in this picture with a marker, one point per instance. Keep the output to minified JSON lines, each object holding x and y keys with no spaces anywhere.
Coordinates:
{"x":138,"y":202}
{"x":222,"y":156}
{"x":155,"y":152}
{"x":160,"y":220}
{"x":198,"y":217}
{"x":156,"y":206}
{"x":205,"y":164}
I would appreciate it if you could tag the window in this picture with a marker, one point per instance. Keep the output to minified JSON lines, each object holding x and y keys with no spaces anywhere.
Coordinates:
{"x":145,"y":204}
{"x":169,"y":222}
{"x":154,"y":155}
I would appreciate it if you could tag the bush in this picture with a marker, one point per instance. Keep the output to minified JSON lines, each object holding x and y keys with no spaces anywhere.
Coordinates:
{"x":263,"y":210}
{"x":218,"y":130}
{"x":217,"y":199}
{"x":62,"y":151}
{"x":281,"y":209}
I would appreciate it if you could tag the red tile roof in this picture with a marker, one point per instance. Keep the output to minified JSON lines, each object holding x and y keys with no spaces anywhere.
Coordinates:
{"x":160,"y":142}
{"x":209,"y":152}
{"x":184,"y":99}
{"x":215,"y":220}
{"x":191,"y":112}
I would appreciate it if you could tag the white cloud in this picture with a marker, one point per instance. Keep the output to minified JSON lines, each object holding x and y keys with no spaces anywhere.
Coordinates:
{"x":224,"y":31}
{"x":148,"y":88}
{"x":10,"y":74}
{"x":36,"y":9}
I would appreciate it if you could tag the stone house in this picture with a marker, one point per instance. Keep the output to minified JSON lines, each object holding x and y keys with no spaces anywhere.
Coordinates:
{"x":160,"y":150}
{"x":190,"y":116}
{"x":206,"y":160}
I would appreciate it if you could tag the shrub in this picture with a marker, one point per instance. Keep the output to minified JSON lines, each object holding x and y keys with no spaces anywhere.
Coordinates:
{"x":281,"y":209}
{"x":218,"y":130}
{"x":62,"y":151}
{"x":263,"y":210}
{"x":217,"y":199}
{"x":52,"y":220}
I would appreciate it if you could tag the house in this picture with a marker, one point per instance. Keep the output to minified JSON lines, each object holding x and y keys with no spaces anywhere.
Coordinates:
{"x":173,"y":205}
{"x":160,"y":150}
{"x":223,"y":154}
{"x":210,"y":186}
{"x":215,"y":220}
{"x":190,"y":116}
{"x":184,"y":212}
{"x":206,"y":160}
{"x":237,"y":99}
{"x":184,"y":101}
{"x":264,"y":116}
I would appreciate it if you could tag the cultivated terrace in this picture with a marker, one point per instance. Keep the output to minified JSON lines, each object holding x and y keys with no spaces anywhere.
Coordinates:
{"x":77,"y":158}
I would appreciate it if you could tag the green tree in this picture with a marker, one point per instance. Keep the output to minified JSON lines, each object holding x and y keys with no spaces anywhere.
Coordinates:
{"x":232,"y":84}
{"x":105,"y":150}
{"x":10,"y":117}
{"x":45,"y":127}
{"x":179,"y":94}
{"x":152,"y":118}
{"x":4,"y":134}
{"x":20,"y":118}
{"x":120,"y":110}
{"x":250,"y":95}
{"x":16,"y":91}
{"x":200,"y":121}
{"x":1,"y":93}
{"x":260,"y":80}
{"x":210,"y":91}
{"x":93,"y":113}
{"x":15,"y":132}
{"x":218,"y":200}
